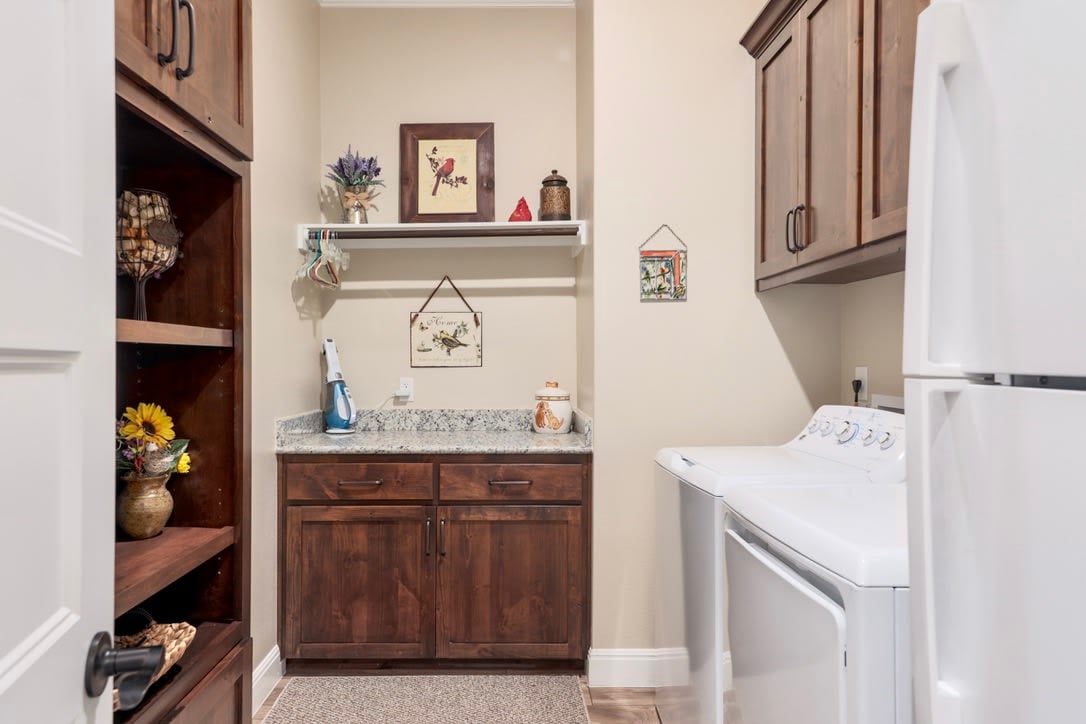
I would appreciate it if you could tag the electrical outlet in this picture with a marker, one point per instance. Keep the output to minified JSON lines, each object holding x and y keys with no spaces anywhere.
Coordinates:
{"x":406,"y":390}
{"x":861,"y":375}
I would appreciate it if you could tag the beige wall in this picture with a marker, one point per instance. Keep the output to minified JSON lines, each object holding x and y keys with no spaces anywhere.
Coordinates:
{"x":284,"y":350}
{"x":517,"y":69}
{"x":585,"y":198}
{"x":674,"y":143}
{"x":872,"y":314}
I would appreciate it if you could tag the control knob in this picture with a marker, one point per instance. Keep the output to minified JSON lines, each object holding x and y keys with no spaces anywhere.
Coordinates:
{"x":868,"y":436}
{"x":827,"y":425}
{"x":812,"y":425}
{"x":846,"y":431}
{"x":885,"y":439}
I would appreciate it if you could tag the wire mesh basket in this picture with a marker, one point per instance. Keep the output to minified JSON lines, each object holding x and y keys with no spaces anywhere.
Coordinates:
{"x":148,"y":243}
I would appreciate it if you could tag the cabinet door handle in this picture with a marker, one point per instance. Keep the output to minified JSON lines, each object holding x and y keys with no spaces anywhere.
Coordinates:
{"x":360,"y":482}
{"x":163,"y":58}
{"x":429,"y":523}
{"x":188,"y":69}
{"x":509,"y":482}
{"x":796,"y":226}
{"x":441,"y":538}
{"x":787,"y":228}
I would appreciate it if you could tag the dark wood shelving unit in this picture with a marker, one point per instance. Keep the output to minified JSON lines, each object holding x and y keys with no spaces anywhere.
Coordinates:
{"x":192,"y":359}
{"x":133,"y":331}
{"x":145,"y":567}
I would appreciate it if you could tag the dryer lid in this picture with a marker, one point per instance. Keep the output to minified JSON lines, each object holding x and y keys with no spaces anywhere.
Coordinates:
{"x":718,"y":469}
{"x":858,"y":532}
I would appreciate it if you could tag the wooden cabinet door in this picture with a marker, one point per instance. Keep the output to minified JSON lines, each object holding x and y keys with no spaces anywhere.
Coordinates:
{"x":829,"y":163}
{"x":224,"y":696}
{"x":511,"y":582}
{"x":777,"y":142}
{"x":359,"y":582}
{"x":217,"y":93}
{"x":889,"y":52}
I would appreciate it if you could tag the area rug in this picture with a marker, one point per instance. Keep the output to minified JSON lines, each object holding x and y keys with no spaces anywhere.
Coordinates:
{"x":460,"y":699}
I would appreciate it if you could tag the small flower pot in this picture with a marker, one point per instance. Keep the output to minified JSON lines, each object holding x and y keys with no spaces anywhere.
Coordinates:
{"x":144,"y":506}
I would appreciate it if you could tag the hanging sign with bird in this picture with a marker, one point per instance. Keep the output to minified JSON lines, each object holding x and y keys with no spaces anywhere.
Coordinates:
{"x":446,"y":339}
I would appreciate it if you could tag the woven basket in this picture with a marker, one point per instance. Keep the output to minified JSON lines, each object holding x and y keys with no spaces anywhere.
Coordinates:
{"x":174,"y":637}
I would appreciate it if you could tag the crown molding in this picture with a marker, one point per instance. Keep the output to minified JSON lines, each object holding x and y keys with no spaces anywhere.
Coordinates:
{"x":447,"y":3}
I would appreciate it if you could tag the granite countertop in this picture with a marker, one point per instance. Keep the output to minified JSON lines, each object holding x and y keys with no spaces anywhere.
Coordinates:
{"x":431,"y":432}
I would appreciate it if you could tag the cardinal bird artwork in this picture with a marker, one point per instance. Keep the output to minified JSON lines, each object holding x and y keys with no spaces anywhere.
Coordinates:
{"x":443,"y":173}
{"x":443,"y":167}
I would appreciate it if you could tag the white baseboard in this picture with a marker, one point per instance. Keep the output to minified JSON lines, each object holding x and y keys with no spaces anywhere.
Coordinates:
{"x":645,"y":668}
{"x":634,"y":668}
{"x":266,"y":675}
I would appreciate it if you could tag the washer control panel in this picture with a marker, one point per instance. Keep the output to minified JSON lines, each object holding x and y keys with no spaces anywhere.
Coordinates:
{"x":861,"y":436}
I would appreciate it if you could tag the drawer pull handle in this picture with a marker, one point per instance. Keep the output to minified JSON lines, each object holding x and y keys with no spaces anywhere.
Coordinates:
{"x":441,"y":538}
{"x":509,"y":482}
{"x":361,"y":482}
{"x":429,"y":523}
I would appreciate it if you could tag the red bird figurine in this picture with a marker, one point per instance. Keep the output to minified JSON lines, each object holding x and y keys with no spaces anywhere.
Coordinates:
{"x":444,"y":172}
{"x":522,"y":212}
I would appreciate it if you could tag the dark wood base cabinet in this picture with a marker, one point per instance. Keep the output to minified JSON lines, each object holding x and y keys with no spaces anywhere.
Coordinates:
{"x":439,"y":559}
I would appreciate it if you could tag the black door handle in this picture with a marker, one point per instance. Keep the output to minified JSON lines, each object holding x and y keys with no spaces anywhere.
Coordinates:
{"x":164,"y":59}
{"x":188,"y":69}
{"x":441,"y":538}
{"x":787,"y":228}
{"x":132,"y":669}
{"x":796,"y":227}
{"x":429,"y":523}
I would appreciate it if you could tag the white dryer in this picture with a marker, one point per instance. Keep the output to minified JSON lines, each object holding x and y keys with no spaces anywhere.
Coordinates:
{"x":818,"y":609}
{"x":839,"y":444}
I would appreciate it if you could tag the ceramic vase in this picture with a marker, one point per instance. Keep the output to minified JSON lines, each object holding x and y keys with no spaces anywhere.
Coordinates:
{"x":144,"y":505}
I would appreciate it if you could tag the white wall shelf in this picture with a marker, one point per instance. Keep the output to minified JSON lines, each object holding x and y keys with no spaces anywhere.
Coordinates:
{"x":492,"y":234}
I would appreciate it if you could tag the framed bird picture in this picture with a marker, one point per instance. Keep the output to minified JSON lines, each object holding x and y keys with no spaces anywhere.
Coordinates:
{"x":446,"y":339}
{"x":446,"y":172}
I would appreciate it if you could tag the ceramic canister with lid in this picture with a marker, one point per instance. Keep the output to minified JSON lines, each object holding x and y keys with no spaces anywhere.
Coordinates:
{"x":553,"y":413}
{"x":554,"y":198}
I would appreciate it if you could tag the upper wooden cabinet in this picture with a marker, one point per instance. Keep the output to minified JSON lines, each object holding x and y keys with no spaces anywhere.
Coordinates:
{"x":196,"y":54}
{"x":889,"y":52}
{"x":833,"y":104}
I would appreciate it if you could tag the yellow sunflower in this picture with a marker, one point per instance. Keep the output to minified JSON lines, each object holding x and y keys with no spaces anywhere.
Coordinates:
{"x":183,"y":463}
{"x":148,"y":423}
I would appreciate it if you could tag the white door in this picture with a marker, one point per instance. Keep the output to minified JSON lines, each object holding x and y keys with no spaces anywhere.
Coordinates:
{"x":997,"y":491}
{"x":787,"y":642}
{"x":56,"y":354}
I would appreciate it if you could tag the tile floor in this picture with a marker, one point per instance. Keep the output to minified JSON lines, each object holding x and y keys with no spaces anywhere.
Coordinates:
{"x":605,"y":706}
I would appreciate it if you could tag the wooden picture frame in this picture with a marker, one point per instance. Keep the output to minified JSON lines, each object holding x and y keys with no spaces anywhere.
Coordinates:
{"x":446,"y":172}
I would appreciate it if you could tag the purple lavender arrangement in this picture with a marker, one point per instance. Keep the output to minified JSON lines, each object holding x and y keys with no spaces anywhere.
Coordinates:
{"x":353,"y":170}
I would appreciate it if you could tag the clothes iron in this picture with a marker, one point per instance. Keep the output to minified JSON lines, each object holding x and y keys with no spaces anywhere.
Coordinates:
{"x":340,"y":413}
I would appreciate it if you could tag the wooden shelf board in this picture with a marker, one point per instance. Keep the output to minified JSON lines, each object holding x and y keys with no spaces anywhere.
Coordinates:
{"x":212,"y":642}
{"x":570,"y":234}
{"x":137,"y":332}
{"x":144,"y":567}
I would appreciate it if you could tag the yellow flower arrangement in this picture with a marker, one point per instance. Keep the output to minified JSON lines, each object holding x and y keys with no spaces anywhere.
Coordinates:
{"x":147,"y":443}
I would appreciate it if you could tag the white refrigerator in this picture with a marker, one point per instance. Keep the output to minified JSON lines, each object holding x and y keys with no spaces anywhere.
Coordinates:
{"x":995,"y":363}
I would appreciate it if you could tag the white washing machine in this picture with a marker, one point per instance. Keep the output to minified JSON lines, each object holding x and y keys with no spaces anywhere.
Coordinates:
{"x":818,"y":604}
{"x":839,"y":444}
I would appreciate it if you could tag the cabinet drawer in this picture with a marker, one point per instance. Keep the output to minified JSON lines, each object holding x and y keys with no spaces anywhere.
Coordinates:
{"x":360,"y":481}
{"x":505,"y":482}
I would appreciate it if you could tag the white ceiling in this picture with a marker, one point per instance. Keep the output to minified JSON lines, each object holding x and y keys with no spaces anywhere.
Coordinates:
{"x":447,"y":3}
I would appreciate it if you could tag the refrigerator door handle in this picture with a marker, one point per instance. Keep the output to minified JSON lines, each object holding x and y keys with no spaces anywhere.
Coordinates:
{"x":938,"y":51}
{"x":931,"y":694}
